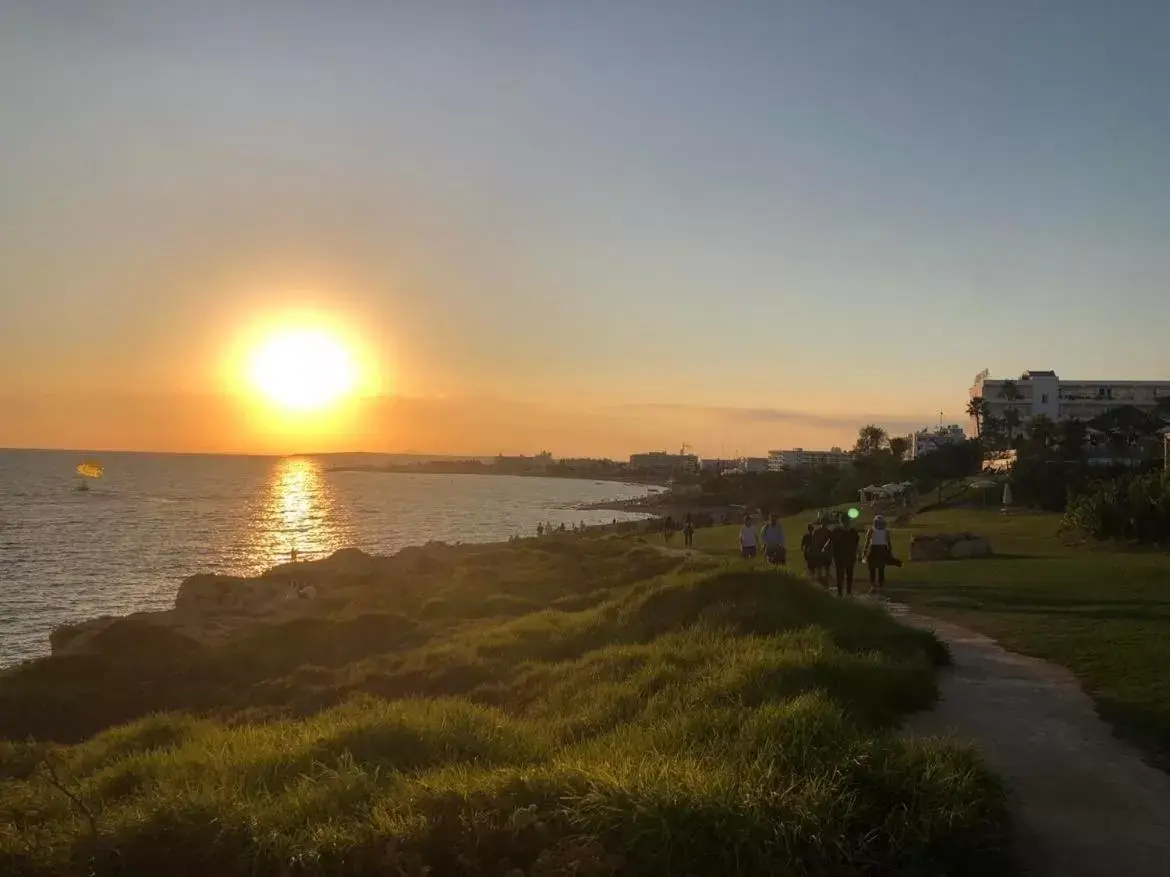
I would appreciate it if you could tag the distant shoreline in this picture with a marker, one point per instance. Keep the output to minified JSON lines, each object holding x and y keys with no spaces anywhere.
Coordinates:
{"x":440,"y":469}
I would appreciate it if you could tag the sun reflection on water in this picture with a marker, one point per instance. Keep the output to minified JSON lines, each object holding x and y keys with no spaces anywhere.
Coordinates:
{"x":300,"y":515}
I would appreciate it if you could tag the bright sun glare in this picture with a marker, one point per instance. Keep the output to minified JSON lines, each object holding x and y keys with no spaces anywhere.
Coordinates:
{"x":303,"y":369}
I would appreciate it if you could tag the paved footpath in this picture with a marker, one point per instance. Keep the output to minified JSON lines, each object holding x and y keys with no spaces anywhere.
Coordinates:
{"x":1085,"y":803}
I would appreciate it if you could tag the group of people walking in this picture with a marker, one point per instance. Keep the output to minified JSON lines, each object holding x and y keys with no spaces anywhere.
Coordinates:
{"x":831,"y":544}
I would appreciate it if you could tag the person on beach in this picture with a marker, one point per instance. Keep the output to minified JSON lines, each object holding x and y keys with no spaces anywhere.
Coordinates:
{"x":539,"y":530}
{"x":747,"y":539}
{"x":879,"y":549}
{"x":844,"y":541}
{"x":773,"y":538}
{"x":688,"y":531}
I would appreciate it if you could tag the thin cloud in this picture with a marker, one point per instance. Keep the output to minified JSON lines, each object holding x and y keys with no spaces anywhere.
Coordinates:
{"x":730,"y":414}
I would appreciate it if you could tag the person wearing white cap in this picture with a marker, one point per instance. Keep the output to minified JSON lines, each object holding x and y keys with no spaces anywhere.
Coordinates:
{"x":879,"y":549}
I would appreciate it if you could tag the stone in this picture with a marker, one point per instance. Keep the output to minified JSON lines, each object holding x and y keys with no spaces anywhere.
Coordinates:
{"x":948,"y":546}
{"x":977,"y":547}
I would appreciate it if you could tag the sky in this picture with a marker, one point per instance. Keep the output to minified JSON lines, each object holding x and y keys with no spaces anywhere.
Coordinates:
{"x":597,"y":227}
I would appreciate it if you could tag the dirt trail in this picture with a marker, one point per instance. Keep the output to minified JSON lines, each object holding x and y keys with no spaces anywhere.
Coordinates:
{"x":1085,"y":803}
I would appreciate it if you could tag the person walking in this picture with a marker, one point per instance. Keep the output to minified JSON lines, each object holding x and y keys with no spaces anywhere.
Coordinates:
{"x":747,"y":539}
{"x":879,"y":549}
{"x":821,"y":551}
{"x":773,"y":538}
{"x":845,"y":542}
{"x":668,"y":529}
{"x":806,"y":550}
{"x":688,"y":531}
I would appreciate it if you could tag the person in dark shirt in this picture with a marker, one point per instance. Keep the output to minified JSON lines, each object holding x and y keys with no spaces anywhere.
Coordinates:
{"x":844,"y":542}
{"x":806,"y":542}
{"x":821,"y":552}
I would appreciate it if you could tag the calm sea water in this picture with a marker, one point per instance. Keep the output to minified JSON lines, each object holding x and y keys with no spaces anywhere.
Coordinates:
{"x":155,"y":519}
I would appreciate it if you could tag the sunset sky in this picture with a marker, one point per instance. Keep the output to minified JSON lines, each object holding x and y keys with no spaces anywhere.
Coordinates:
{"x":596,"y":227}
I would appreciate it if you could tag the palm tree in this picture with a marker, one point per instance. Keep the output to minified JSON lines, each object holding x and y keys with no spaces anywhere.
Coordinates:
{"x":1011,"y":419}
{"x":977,"y":410}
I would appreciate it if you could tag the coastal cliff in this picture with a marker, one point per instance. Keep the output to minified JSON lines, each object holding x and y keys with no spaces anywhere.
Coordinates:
{"x":588,"y":704}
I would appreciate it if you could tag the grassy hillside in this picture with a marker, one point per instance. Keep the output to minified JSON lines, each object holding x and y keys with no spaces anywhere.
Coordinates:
{"x":587,"y":706}
{"x":1102,"y":611}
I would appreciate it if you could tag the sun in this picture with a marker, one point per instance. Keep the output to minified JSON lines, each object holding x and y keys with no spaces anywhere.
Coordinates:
{"x":303,"y":369}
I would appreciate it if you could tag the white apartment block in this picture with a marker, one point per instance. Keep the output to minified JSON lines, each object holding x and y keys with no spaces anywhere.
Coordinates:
{"x":926,"y":440}
{"x":799,"y":458}
{"x":1043,"y":392}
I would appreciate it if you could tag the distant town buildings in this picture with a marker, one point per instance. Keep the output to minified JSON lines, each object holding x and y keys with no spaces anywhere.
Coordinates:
{"x":717,"y":465}
{"x":800,"y":458}
{"x":519,"y":464}
{"x":663,"y":463}
{"x":1037,"y":393}
{"x":756,"y":464}
{"x":924,"y":441}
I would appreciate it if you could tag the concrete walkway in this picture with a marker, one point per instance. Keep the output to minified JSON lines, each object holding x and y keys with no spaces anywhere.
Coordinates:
{"x":1085,"y":803}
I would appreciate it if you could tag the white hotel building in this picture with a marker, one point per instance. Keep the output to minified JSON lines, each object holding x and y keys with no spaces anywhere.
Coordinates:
{"x":1043,"y":392}
{"x":799,"y":458}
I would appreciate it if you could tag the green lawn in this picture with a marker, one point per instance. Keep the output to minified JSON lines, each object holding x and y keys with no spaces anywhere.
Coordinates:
{"x":1100,"y":611}
{"x":590,"y":706}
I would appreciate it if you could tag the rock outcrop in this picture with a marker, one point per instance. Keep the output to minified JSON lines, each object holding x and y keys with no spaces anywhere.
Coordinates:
{"x":214,"y":609}
{"x":949,"y":546}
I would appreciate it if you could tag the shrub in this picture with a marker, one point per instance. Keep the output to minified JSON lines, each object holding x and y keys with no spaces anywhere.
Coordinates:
{"x":1132,"y":507}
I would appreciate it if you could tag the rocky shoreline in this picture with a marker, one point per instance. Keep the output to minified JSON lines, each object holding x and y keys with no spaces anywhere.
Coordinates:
{"x":213,"y":609}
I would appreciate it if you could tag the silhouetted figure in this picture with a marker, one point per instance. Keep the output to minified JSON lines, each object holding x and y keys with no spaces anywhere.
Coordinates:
{"x":822,"y":557}
{"x":539,"y":530}
{"x":845,"y":542}
{"x":688,"y":531}
{"x":668,"y":529}
{"x":748,"y":541}
{"x":806,"y":550}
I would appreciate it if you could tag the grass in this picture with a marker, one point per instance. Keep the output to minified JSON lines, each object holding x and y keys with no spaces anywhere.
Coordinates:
{"x":590,"y":706}
{"x":1101,"y":611}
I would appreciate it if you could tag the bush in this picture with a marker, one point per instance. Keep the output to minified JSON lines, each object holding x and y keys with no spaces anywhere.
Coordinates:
{"x":1134,"y":508}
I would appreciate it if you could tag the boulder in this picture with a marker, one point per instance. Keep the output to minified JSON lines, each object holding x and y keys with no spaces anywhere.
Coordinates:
{"x":947,"y":546}
{"x":929,"y":548}
{"x":207,"y":594}
{"x":977,"y":547}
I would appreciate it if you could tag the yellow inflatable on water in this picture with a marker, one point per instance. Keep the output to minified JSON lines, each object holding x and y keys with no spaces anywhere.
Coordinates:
{"x":90,"y":470}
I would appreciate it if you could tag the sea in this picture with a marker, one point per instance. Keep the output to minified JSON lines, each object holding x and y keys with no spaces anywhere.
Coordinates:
{"x":151,"y":520}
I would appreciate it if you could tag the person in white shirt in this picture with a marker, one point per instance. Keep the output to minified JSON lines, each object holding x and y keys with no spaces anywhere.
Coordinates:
{"x":773,"y":538}
{"x":879,"y":551}
{"x":747,"y":538}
